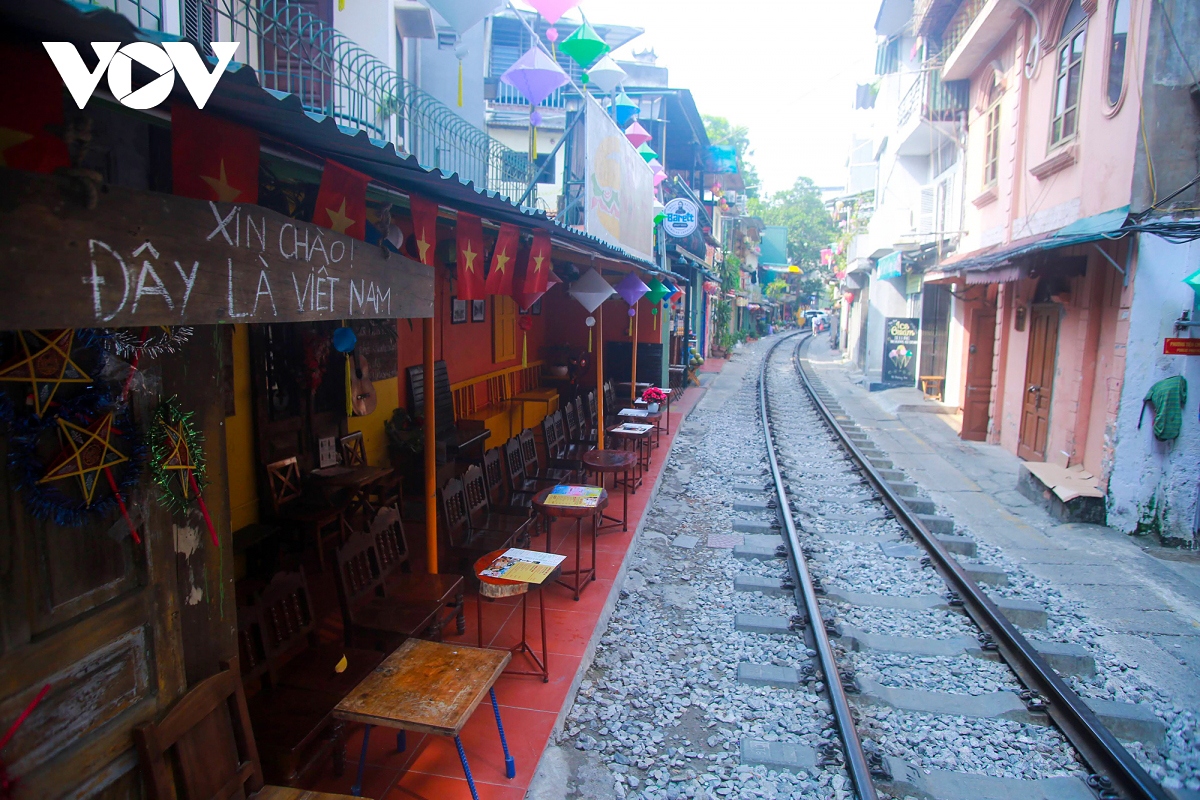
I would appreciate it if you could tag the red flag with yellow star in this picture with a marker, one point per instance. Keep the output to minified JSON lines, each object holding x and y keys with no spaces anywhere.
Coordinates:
{"x":469,"y":248}
{"x":342,"y":200}
{"x":424,"y":216}
{"x":504,"y":257}
{"x":31,"y":109}
{"x":212,"y":159}
{"x":537,"y":270}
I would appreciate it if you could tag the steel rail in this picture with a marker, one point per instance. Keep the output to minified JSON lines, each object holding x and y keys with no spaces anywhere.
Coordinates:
{"x":1117,"y":773}
{"x":856,"y":759}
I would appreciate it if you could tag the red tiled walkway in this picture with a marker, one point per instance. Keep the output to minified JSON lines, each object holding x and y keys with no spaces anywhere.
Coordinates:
{"x":429,"y":769}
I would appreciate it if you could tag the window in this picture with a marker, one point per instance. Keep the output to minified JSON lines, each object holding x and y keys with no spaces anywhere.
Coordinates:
{"x":504,"y":329}
{"x":887,"y":57}
{"x":991,"y":146}
{"x":1116,"y":51}
{"x":1068,"y":74}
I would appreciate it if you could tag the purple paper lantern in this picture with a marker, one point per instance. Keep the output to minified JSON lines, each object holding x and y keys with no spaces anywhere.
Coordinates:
{"x":631,"y":288}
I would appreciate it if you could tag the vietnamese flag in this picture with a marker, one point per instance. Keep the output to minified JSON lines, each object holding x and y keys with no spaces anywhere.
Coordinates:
{"x":342,"y":200}
{"x":212,"y":159}
{"x":504,"y":259}
{"x":424,"y":216}
{"x":469,"y":247}
{"x":537,"y":270}
{"x":31,"y":111}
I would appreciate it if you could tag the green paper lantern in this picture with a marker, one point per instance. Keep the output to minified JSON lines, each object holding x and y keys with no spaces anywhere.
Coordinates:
{"x":584,"y":46}
{"x":646,"y":153}
{"x":656,"y":294}
{"x":1193,"y":281}
{"x":658,"y":218}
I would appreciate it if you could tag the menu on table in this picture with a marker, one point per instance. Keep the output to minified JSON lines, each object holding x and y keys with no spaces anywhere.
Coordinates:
{"x":527,"y":566}
{"x":632,"y":427}
{"x":574,"y":496}
{"x":633,"y":412}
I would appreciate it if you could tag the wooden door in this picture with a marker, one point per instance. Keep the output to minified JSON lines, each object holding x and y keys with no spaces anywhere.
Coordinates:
{"x":979,"y":375}
{"x":94,"y":616}
{"x":299,"y":384}
{"x":1039,"y":382}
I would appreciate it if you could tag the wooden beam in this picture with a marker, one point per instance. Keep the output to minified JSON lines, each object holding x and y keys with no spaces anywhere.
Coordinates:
{"x":144,"y":258}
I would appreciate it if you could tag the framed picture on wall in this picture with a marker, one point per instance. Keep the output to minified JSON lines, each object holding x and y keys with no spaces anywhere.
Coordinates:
{"x":478,"y":310}
{"x":536,"y":308}
{"x":458,"y":311}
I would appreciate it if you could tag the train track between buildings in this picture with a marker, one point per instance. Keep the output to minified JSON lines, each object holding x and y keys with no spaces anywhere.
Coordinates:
{"x":1041,"y":698}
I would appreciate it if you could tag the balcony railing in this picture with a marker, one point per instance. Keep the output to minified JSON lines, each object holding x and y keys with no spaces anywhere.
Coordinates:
{"x":933,"y":99}
{"x":956,"y":29}
{"x":296,"y":52}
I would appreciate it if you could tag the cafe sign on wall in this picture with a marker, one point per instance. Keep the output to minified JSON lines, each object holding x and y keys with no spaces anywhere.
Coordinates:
{"x":143,"y":258}
{"x":900,"y":350}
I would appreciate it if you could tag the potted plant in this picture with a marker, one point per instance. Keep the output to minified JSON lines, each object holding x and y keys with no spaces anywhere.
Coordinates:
{"x":406,"y":444}
{"x":652,"y":397}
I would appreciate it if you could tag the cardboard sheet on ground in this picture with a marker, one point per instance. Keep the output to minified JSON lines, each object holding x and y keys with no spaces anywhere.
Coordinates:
{"x":528,"y":566}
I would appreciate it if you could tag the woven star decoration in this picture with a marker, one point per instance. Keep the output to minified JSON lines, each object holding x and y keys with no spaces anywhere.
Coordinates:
{"x":87,"y":452}
{"x":45,"y":361}
{"x":176,"y":455}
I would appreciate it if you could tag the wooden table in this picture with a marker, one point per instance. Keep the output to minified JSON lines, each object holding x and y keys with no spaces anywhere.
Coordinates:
{"x":640,"y":442}
{"x":668,"y":392}
{"x":493,"y":588}
{"x":603,"y":462}
{"x":356,"y":479}
{"x":577,"y":513}
{"x":427,"y":687}
{"x":644,"y":416}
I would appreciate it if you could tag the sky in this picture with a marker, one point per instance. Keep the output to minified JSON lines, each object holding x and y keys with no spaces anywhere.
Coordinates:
{"x":786,"y":69}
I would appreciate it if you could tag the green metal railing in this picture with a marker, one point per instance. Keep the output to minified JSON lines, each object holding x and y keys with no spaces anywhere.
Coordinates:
{"x":296,"y":52}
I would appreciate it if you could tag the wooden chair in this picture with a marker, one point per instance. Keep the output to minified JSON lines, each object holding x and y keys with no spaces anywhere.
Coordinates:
{"x":385,"y":612}
{"x":484,"y":520}
{"x":561,"y":454}
{"x":204,"y":748}
{"x":502,"y":500}
{"x":533,"y":469}
{"x":386,"y":492}
{"x":295,"y":656}
{"x":325,"y":523}
{"x":515,"y":461}
{"x":593,"y":412}
{"x":297,"y":730}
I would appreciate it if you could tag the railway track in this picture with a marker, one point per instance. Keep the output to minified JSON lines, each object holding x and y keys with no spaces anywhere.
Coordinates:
{"x":788,"y":627}
{"x":864,"y":491}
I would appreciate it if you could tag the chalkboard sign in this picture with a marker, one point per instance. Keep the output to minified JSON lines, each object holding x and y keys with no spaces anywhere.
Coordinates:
{"x":377,"y":344}
{"x":900,"y":350}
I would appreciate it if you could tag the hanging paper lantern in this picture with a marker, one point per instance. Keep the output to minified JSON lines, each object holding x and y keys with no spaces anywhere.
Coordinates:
{"x":584,"y":46}
{"x":637,"y":135}
{"x":535,"y":75}
{"x":625,"y":109}
{"x":659,"y":177}
{"x":552,"y":34}
{"x":553,"y":10}
{"x":591,"y":323}
{"x":631,"y":288}
{"x":670,"y":288}
{"x":656,"y":294}
{"x":607,"y":75}
{"x":462,"y":15}
{"x":647,"y":153}
{"x":591,"y":290}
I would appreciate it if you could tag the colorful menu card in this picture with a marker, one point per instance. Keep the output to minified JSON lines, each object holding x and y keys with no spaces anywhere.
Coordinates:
{"x":527,"y":566}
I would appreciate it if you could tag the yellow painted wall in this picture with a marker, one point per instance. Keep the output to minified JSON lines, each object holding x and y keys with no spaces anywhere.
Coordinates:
{"x":374,"y":437}
{"x":239,"y":437}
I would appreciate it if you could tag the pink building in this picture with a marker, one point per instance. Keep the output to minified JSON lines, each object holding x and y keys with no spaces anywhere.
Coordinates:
{"x":1079,"y":130}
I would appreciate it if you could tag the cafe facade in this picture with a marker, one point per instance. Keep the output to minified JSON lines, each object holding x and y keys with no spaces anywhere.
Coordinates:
{"x":197,"y":296}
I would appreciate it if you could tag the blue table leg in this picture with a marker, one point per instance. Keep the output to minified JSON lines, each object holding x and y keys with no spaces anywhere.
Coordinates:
{"x":356,"y":789}
{"x":510,"y":766}
{"x":401,"y":743}
{"x":462,"y":756}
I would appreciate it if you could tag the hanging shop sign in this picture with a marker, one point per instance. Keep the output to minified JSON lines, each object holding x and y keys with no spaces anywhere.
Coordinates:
{"x":913,"y":283}
{"x":680,"y":217}
{"x":900,"y":350}
{"x":143,"y":259}
{"x":1181,"y":347}
{"x":619,"y":189}
{"x":889,"y":266}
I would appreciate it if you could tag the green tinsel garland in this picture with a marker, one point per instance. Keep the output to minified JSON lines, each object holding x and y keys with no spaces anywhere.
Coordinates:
{"x":170,"y":421}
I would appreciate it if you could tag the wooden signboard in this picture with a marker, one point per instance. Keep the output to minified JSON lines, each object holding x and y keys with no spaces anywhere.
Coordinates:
{"x":143,"y":258}
{"x":1181,"y":347}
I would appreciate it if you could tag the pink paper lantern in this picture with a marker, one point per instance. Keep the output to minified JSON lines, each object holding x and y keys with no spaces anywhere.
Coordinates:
{"x":637,"y":135}
{"x":553,"y":10}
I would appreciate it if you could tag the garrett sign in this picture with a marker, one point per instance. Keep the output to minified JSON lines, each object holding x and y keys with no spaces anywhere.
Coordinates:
{"x":680,"y":217}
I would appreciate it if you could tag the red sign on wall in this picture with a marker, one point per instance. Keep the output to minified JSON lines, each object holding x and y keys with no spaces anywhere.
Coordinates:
{"x":1181,"y":347}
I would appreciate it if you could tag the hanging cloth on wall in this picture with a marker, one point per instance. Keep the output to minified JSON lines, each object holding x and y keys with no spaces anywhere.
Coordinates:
{"x":1167,"y":399}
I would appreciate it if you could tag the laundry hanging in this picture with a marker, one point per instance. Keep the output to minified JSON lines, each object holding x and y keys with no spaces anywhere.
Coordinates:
{"x":1167,"y":399}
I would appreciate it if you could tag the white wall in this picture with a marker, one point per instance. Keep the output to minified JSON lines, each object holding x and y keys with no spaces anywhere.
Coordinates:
{"x":371,"y":25}
{"x":1155,"y":484}
{"x":954,"y":354}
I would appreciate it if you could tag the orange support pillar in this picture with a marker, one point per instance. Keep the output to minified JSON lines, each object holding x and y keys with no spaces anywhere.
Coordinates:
{"x":431,"y":515}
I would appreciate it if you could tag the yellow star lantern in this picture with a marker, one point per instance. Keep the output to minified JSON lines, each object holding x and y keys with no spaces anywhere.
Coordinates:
{"x":45,"y":362}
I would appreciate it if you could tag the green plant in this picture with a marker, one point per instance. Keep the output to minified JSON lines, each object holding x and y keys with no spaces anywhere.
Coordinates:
{"x":405,"y":434}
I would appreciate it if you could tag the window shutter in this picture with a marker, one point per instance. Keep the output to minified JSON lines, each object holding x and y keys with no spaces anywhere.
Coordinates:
{"x":925,"y":216}
{"x":504,"y":329}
